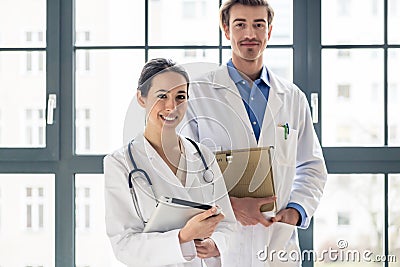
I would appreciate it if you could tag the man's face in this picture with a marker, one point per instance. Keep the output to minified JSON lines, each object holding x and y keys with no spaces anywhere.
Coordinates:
{"x":248,"y":31}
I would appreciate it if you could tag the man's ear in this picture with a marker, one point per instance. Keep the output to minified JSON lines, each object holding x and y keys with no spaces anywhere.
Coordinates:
{"x":269,"y":31}
{"x":226,"y":31}
{"x":140,"y":99}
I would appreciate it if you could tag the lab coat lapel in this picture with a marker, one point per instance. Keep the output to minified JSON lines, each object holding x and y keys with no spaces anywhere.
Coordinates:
{"x":194,"y":165}
{"x":274,"y":106}
{"x":160,"y":167}
{"x":222,"y":81}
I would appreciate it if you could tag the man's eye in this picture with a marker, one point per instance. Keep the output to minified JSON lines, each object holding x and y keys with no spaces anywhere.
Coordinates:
{"x":162,"y":96}
{"x":240,"y":25}
{"x":260,"y":25}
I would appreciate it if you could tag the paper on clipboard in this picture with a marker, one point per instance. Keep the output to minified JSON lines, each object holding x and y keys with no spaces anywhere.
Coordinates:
{"x":248,"y":173}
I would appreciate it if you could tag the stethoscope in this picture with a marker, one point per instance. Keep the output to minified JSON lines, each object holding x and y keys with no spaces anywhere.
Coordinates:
{"x":208,"y":176}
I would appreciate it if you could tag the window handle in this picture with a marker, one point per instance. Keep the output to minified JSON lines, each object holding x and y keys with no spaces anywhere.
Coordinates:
{"x":51,"y":106}
{"x":314,"y":107}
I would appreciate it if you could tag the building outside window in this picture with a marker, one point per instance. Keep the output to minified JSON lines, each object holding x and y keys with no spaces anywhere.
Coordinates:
{"x":83,"y":213}
{"x":83,"y":63}
{"x":35,"y":126}
{"x":34,"y":59}
{"x":35,"y":205}
{"x":83,"y":130}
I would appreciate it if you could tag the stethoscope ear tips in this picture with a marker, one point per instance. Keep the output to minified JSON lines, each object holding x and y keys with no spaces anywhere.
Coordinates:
{"x":208,"y":176}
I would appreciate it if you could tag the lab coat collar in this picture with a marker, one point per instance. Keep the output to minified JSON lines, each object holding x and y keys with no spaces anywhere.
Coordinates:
{"x":222,"y":80}
{"x":194,"y":164}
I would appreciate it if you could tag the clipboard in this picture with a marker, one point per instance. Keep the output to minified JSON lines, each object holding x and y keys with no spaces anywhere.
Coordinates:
{"x":248,"y":173}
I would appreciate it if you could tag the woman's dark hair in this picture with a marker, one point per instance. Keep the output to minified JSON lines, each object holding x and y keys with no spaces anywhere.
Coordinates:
{"x":157,"y":66}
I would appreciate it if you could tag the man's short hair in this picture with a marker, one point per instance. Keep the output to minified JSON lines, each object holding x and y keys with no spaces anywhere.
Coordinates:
{"x":226,"y":7}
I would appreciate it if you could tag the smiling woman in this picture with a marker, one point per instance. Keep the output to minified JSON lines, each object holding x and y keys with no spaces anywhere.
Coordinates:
{"x":164,"y":164}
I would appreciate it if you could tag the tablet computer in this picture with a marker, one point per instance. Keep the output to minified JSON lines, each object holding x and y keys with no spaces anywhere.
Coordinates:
{"x":173,"y":213}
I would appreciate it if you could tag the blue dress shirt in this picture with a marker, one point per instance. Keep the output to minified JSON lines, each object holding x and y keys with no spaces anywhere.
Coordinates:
{"x":255,"y":99}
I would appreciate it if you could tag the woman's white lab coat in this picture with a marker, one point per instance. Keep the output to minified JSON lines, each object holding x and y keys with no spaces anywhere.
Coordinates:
{"x":217,"y":117}
{"x":123,"y":223}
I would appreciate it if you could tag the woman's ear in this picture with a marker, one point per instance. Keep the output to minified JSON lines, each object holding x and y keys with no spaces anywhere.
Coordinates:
{"x":140,"y":99}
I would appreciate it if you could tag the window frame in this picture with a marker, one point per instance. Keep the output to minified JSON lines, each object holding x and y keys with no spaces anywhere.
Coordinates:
{"x":51,"y":150}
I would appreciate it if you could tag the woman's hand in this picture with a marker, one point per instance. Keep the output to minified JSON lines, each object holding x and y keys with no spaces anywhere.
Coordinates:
{"x":200,"y":226}
{"x":206,"y":248}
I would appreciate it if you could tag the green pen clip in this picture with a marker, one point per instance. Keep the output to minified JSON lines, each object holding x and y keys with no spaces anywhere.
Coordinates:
{"x":286,"y":129}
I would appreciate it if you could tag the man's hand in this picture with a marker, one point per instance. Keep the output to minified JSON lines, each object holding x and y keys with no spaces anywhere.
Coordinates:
{"x":206,"y":248}
{"x":288,"y":215}
{"x":247,"y":210}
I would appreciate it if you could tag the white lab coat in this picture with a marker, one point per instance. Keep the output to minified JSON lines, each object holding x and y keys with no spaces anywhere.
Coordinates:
{"x":217,"y":117}
{"x":124,"y":226}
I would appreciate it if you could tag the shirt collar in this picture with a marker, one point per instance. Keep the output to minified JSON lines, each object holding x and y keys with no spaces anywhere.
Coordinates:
{"x":237,"y":78}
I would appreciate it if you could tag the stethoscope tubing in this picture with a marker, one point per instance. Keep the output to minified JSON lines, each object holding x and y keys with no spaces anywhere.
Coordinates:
{"x":208,"y":176}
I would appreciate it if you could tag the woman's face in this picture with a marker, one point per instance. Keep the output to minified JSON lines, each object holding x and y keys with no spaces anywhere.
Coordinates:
{"x":166,"y":101}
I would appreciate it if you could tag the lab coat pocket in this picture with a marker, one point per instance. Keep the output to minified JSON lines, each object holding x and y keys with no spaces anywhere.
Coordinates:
{"x":285,"y":146}
{"x":281,"y":235}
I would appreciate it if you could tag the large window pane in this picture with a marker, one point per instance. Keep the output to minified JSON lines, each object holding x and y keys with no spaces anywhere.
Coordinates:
{"x":20,"y":21}
{"x":23,"y":99}
{"x":106,"y":82}
{"x":183,"y":22}
{"x":352,"y":97}
{"x":394,"y":218}
{"x":282,"y":31}
{"x":181,"y":56}
{"x":352,"y":22}
{"x":394,"y":21}
{"x":109,"y":22}
{"x":278,"y":60}
{"x":394,"y":96}
{"x":350,"y":218}
{"x":27,"y":229}
{"x":92,"y":246}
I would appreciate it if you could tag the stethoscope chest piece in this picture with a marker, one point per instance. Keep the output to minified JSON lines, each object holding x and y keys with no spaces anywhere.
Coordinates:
{"x":208,"y":176}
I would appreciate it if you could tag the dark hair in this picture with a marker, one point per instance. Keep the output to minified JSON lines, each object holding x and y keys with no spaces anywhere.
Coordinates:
{"x":226,"y":7}
{"x":157,"y":66}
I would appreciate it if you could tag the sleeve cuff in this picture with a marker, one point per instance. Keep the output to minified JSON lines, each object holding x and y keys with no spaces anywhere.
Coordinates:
{"x":300,"y":209}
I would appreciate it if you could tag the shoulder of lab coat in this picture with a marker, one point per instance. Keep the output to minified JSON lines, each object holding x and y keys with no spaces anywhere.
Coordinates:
{"x":124,"y":227}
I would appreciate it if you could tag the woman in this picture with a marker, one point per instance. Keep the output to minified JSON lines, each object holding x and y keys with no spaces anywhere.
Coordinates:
{"x":176,"y":170}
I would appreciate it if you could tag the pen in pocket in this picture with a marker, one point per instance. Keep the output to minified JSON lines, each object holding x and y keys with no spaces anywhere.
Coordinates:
{"x":286,"y":129}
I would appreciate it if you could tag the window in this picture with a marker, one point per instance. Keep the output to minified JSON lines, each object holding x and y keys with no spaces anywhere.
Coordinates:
{"x":343,"y":7}
{"x":82,"y":213}
{"x":0,"y":211}
{"x":34,"y":207}
{"x":374,"y":7}
{"x":35,"y":127}
{"x":343,"y":91}
{"x":344,"y":53}
{"x":83,"y":63}
{"x":34,"y":59}
{"x":1,"y":129}
{"x":188,"y":9}
{"x":345,"y":44}
{"x":83,"y":130}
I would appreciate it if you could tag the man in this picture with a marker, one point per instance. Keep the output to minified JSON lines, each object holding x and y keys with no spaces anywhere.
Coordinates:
{"x":244,"y":105}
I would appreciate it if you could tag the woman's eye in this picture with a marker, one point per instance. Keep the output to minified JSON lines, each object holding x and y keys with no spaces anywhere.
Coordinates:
{"x":181,"y":97}
{"x":162,"y":96}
